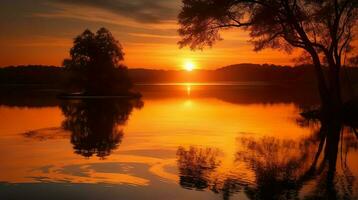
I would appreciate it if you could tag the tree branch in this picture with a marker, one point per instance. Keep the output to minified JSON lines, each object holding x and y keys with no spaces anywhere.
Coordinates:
{"x":230,"y":25}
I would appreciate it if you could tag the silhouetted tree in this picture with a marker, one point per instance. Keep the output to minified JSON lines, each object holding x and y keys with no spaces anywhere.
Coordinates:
{"x":95,"y":124}
{"x":323,"y":29}
{"x":95,"y":63}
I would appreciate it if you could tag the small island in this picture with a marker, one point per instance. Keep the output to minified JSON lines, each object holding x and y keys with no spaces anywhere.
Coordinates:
{"x":95,"y":68}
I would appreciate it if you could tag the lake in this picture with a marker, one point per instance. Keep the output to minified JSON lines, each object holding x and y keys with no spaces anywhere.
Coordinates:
{"x":180,"y":141}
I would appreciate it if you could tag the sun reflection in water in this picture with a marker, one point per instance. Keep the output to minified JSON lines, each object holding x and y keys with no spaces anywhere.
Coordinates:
{"x":188,"y":102}
{"x":188,"y":89}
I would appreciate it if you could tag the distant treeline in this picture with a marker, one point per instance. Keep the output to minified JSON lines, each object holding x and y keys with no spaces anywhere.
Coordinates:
{"x":33,"y":75}
{"x":56,"y":76}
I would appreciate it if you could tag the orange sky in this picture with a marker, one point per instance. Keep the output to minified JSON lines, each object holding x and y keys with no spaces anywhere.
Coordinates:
{"x":41,"y":32}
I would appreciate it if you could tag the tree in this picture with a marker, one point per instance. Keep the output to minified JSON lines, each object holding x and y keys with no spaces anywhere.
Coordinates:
{"x":322,"y":28}
{"x":95,"y":63}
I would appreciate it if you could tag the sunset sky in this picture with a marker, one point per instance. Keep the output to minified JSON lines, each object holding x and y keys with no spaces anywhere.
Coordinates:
{"x":41,"y":32}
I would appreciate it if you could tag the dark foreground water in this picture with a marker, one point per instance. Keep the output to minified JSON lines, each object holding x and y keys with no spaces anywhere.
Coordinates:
{"x":181,"y":141}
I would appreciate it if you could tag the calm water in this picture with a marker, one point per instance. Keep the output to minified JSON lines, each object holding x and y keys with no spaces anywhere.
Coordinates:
{"x":181,"y":141}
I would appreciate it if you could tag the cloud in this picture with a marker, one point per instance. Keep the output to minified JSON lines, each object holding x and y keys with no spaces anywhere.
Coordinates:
{"x":88,"y":12}
{"x":144,"y":35}
{"x":38,"y":41}
{"x":143,"y":11}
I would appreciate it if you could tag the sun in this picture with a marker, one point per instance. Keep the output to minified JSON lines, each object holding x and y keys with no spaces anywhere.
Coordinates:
{"x":189,"y":65}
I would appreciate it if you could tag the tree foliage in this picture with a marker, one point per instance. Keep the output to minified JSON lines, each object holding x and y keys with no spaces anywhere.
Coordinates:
{"x":95,"y":61}
{"x":272,"y":23}
{"x":90,"y":49}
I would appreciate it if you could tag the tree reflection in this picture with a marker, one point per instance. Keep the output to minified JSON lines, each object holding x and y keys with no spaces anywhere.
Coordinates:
{"x":277,"y":165}
{"x":95,"y":124}
{"x":198,"y":170}
{"x":195,"y":166}
{"x":282,"y":169}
